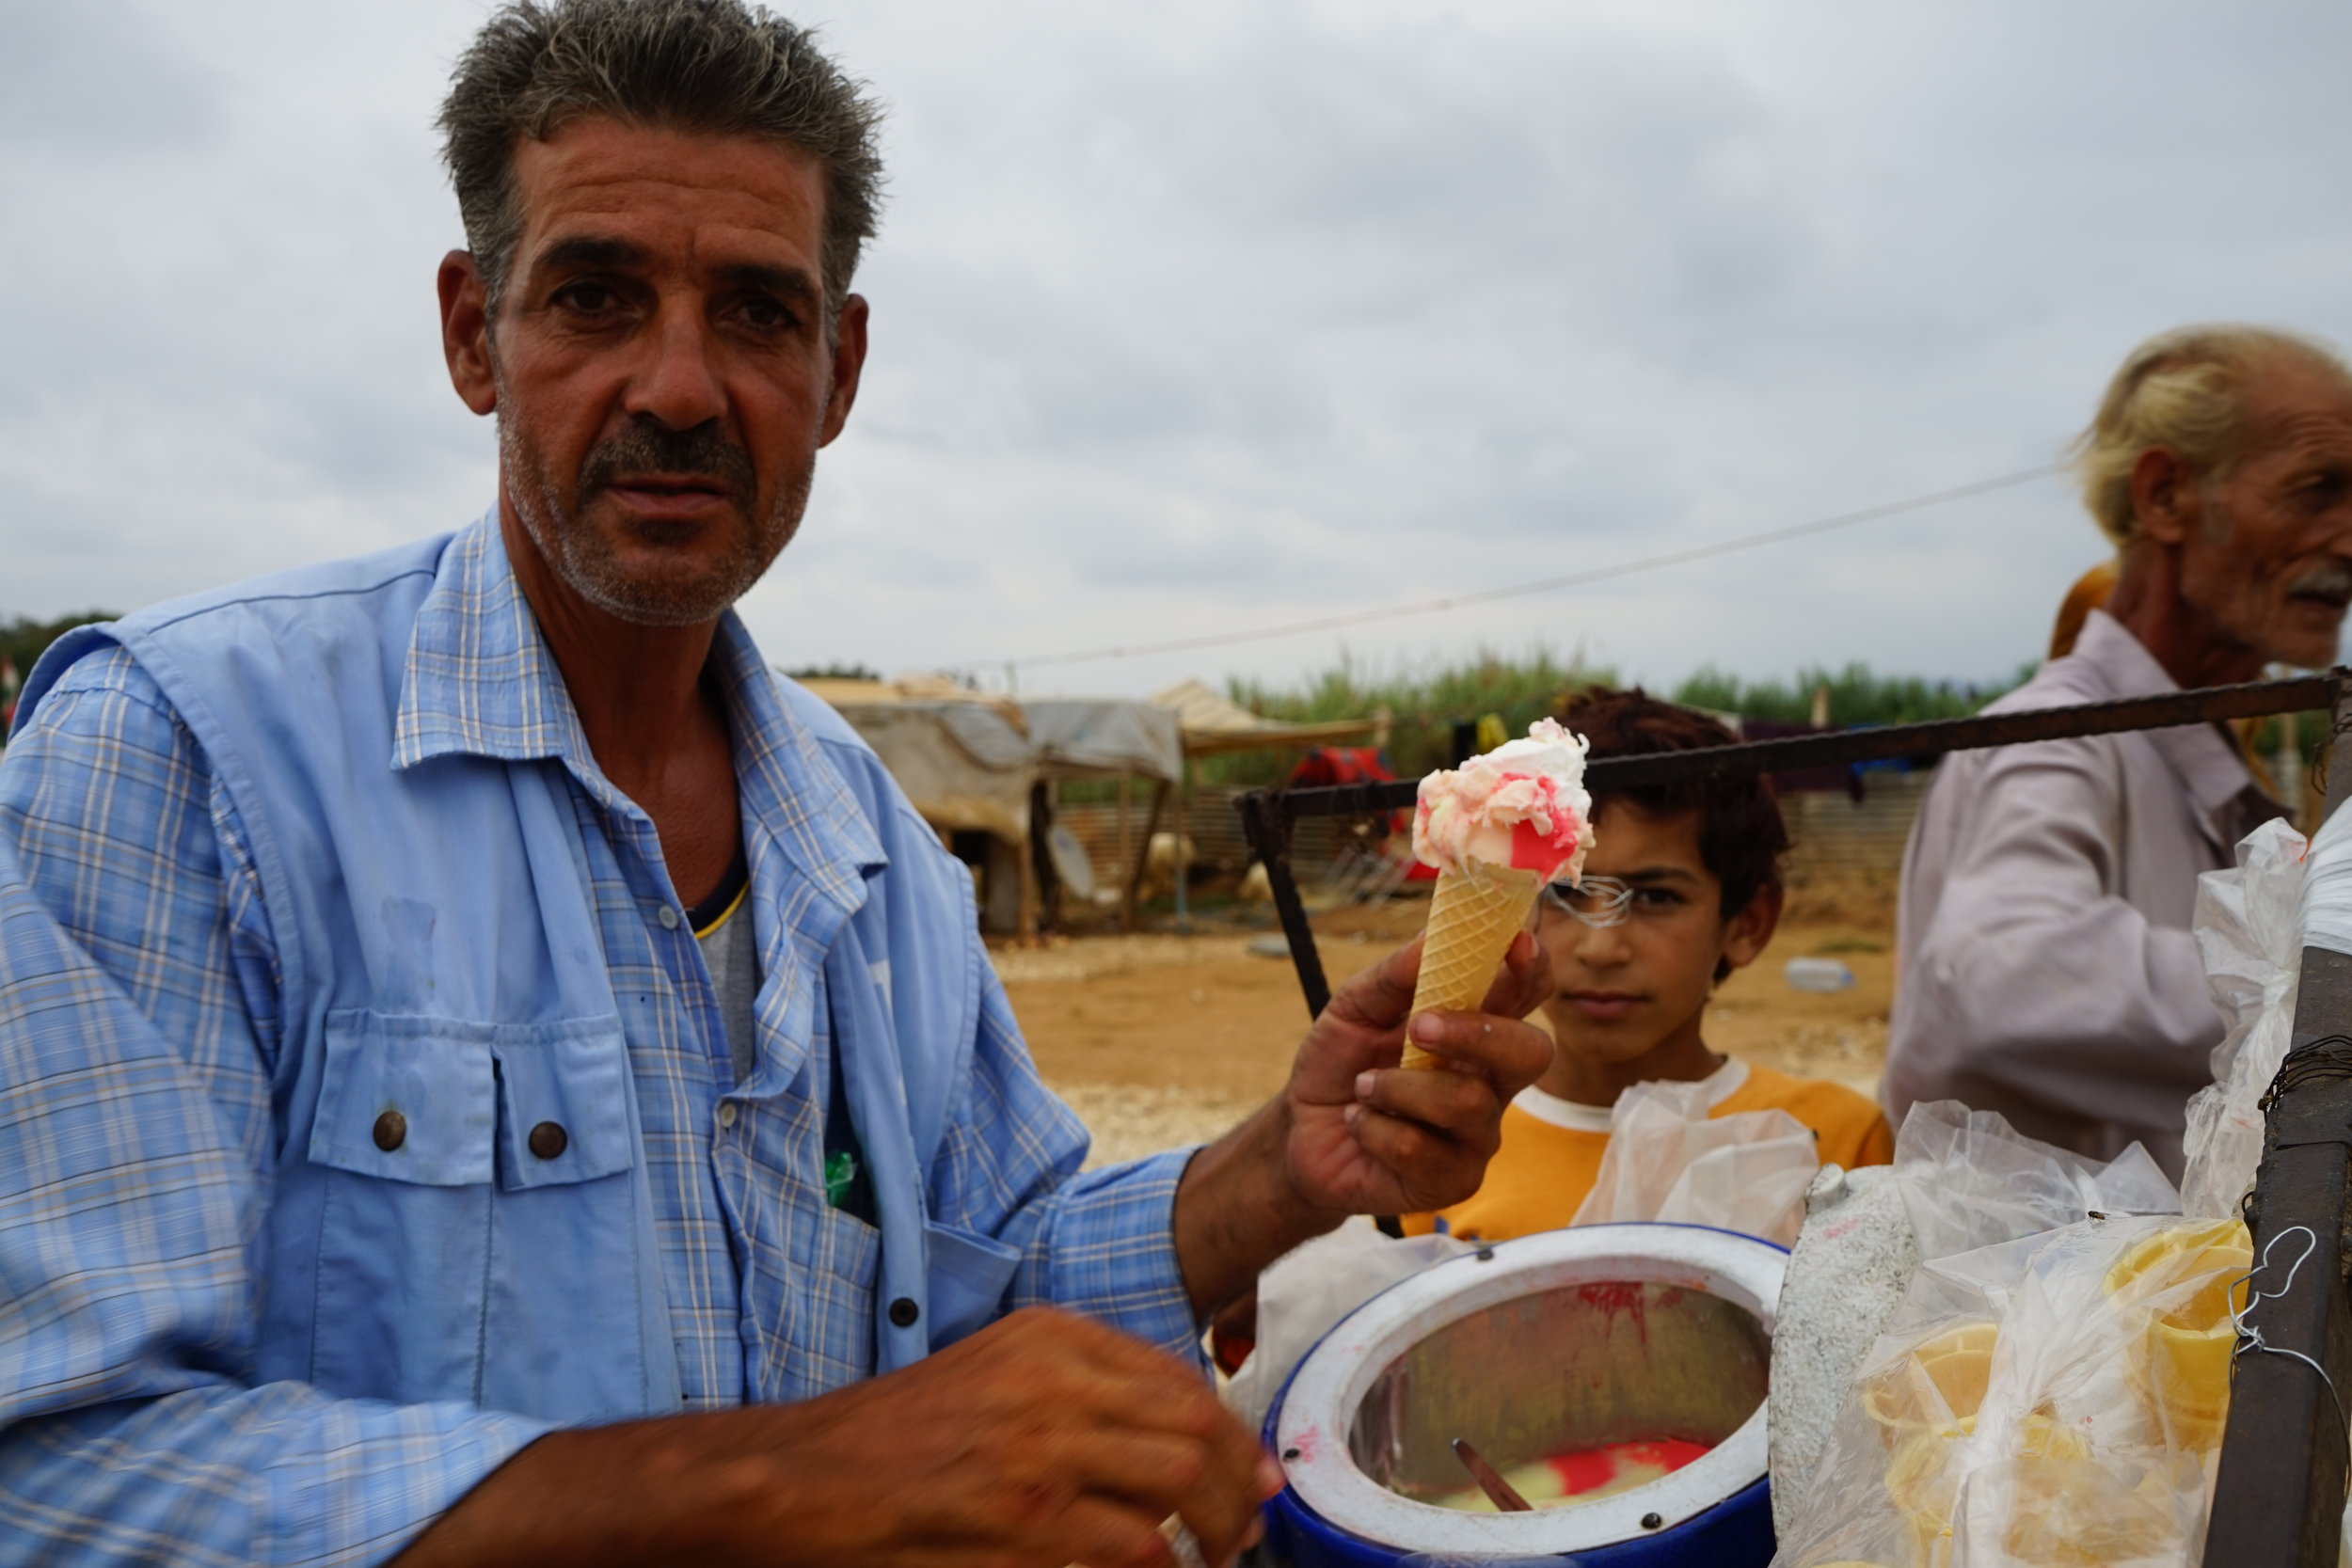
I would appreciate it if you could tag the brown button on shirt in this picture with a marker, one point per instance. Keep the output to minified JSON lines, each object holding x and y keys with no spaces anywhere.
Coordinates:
{"x":2046,"y":969}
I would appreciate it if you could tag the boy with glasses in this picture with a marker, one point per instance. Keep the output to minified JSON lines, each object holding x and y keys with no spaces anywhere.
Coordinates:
{"x":1681,"y":887}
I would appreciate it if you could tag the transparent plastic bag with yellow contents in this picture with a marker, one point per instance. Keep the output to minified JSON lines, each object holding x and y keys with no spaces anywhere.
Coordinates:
{"x":2053,"y":1401}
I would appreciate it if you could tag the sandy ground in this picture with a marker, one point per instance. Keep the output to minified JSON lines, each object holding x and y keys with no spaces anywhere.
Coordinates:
{"x":1160,"y":1040}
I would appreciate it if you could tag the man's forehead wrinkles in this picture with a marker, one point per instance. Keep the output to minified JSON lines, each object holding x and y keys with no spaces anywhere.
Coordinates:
{"x":669,"y":211}
{"x":2307,"y":434}
{"x":717,"y":211}
{"x":635,"y":191}
{"x":2318,"y":426}
{"x":647,"y":243}
{"x":633,"y":176}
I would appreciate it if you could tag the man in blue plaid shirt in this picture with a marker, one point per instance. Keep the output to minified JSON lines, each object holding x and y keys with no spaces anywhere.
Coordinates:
{"x":488,"y":1073}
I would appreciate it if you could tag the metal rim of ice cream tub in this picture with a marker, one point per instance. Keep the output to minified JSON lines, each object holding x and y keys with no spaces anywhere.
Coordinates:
{"x":1312,"y":1421}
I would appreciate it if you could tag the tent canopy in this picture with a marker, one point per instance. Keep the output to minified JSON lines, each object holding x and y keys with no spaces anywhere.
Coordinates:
{"x":1212,"y":725}
{"x":969,"y":761}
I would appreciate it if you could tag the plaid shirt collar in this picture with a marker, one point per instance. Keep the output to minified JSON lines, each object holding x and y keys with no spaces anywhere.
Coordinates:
{"x":479,"y":682}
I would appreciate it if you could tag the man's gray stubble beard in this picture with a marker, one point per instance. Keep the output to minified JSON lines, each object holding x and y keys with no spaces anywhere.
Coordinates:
{"x":579,"y":556}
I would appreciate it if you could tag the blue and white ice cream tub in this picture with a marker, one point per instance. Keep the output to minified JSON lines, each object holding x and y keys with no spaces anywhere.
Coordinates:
{"x":1567,"y":1343}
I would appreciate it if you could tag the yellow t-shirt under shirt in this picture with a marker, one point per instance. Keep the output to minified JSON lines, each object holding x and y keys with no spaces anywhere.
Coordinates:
{"x":1551,"y":1148}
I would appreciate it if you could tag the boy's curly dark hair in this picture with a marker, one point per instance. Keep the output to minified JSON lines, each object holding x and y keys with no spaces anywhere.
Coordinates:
{"x":1741,"y":836}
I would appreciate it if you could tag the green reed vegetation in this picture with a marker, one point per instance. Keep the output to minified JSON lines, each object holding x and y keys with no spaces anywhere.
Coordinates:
{"x":1423,"y":702}
{"x":1857,"y":694}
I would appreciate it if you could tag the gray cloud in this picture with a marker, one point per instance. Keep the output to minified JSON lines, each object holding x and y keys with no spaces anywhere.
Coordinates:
{"x":1203,"y":319}
{"x":100,"y":76}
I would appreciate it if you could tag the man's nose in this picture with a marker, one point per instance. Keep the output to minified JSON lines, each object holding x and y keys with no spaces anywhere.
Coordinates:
{"x":677,"y":383}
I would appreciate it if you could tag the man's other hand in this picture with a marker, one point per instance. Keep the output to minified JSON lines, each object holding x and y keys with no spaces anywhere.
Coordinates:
{"x":1041,"y":1440}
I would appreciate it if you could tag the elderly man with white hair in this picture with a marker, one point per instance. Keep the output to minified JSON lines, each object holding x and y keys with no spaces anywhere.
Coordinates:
{"x":2047,"y":967}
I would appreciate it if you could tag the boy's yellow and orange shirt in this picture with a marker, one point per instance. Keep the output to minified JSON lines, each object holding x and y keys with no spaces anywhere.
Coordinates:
{"x":1551,"y":1148}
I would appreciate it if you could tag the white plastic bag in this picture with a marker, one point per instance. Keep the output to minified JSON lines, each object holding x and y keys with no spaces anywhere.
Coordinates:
{"x":1303,"y":1294}
{"x":1668,"y":1160}
{"x":2250,"y":930}
{"x":1969,"y":1180}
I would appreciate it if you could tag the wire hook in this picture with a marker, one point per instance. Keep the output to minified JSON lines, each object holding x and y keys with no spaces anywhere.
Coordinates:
{"x":2250,"y":1338}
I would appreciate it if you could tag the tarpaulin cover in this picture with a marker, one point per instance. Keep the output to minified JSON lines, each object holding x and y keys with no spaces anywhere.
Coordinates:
{"x":970,"y":765}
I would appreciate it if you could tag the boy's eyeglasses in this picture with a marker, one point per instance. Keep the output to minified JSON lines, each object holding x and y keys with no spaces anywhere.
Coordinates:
{"x":1596,"y":900}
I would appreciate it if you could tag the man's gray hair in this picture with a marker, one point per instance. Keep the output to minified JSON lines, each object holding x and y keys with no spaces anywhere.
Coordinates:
{"x":2183,"y":390}
{"x":714,"y":67}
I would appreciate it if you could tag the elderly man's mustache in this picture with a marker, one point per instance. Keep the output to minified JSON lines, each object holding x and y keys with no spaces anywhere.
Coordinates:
{"x":2332,"y":580}
{"x":647,"y":449}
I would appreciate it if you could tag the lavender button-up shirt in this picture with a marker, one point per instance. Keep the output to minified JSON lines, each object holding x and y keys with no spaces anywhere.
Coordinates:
{"x":2047,"y":970}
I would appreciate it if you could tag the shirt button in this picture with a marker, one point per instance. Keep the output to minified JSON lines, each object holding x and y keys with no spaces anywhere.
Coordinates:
{"x":548,"y":1140}
{"x":391,"y":1131}
{"x":726,"y":1114}
{"x":903,"y":1312}
{"x":668,"y":918}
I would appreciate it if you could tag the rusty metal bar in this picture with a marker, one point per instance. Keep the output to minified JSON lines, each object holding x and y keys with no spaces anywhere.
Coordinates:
{"x":2280,"y":1491}
{"x":1886,"y":742}
{"x":1275,"y":809}
{"x":1270,"y":835}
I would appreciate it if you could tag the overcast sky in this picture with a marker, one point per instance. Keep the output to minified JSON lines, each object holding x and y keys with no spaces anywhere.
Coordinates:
{"x":1202,"y":317}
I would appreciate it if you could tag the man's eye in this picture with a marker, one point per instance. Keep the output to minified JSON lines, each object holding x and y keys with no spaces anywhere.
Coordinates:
{"x":587,"y":298}
{"x":1656,"y":897}
{"x":767,"y":315}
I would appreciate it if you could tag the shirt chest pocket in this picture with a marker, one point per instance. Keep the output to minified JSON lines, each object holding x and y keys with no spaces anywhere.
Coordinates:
{"x":484,"y":1234}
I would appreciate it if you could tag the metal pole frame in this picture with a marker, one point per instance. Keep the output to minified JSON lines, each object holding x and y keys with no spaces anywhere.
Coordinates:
{"x":2279,"y":1495}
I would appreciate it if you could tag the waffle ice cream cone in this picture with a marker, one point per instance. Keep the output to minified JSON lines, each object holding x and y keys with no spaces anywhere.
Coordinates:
{"x":1497,"y":828}
{"x":1473,"y":917}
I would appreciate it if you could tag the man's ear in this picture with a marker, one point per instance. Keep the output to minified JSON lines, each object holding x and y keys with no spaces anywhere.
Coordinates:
{"x":2167,"y":500}
{"x":466,"y":332}
{"x":1749,"y":932}
{"x":849,"y":366}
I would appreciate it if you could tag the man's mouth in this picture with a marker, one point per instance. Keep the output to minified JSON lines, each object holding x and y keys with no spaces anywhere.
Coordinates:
{"x":669,"y":484}
{"x":669,"y":501}
{"x":2330,"y":586}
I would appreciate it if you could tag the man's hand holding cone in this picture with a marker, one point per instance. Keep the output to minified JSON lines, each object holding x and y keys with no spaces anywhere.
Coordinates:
{"x":1367,"y":1138}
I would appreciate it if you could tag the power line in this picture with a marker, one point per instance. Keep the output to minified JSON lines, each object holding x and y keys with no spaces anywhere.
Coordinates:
{"x":1548,"y":585}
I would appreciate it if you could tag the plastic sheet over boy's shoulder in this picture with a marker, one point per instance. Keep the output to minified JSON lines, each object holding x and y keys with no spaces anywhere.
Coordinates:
{"x":1669,"y":1158}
